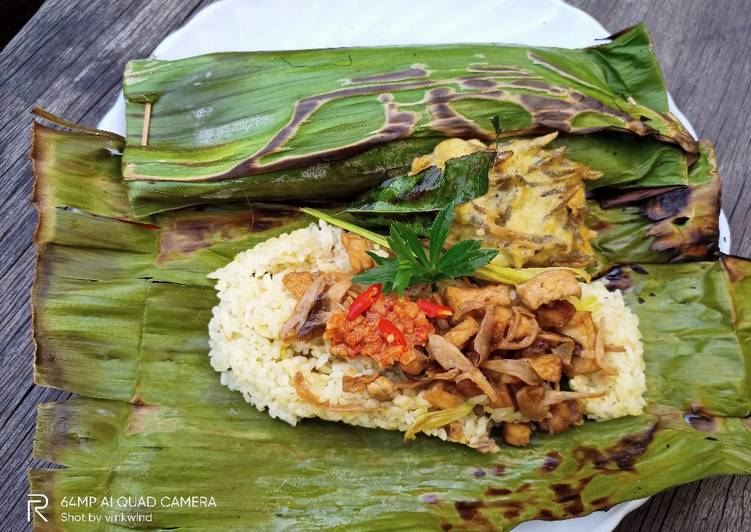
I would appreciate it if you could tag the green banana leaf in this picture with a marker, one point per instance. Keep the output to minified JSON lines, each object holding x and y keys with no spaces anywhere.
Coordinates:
{"x":414,"y":200}
{"x":309,"y":124}
{"x":676,"y":225}
{"x":624,"y":160}
{"x":121,"y":306}
{"x":464,"y":179}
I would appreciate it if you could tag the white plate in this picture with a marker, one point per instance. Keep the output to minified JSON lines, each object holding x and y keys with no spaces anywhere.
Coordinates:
{"x":241,"y":25}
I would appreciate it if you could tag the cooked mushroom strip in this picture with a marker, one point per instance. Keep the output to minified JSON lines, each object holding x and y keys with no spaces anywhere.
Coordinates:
{"x":546,"y":287}
{"x":517,"y":434}
{"x":600,"y":349}
{"x":501,"y":317}
{"x":357,"y":250}
{"x":521,"y":332}
{"x":537,"y":348}
{"x":531,"y":402}
{"x":521,"y":369}
{"x":316,"y":320}
{"x":356,"y":384}
{"x":564,"y":352}
{"x":552,"y":396}
{"x":449,"y":357}
{"x":339,"y":289}
{"x":462,"y":332}
{"x":467,"y":388}
{"x":381,"y":389}
{"x":303,"y":308}
{"x":548,"y":367}
{"x":484,"y":335}
{"x":306,"y":395}
{"x":555,"y":314}
{"x":297,"y":283}
{"x":466,"y":307}
{"x":562,"y":417}
{"x":416,"y":364}
{"x":496,"y":294}
{"x":440,"y":398}
{"x":429,"y":378}
{"x":582,"y":329}
{"x":485,"y":445}
{"x":582,"y":366}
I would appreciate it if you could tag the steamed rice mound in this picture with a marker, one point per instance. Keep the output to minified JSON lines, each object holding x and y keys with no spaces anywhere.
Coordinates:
{"x":254,"y":304}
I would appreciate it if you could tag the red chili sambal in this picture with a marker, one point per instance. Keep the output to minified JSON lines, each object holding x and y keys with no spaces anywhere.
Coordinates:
{"x":380,"y":330}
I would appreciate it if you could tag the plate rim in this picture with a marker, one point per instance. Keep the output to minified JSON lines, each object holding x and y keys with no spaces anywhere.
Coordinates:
{"x":113,"y":120}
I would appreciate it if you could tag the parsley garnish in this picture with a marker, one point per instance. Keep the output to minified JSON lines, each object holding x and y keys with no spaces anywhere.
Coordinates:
{"x":412,"y":264}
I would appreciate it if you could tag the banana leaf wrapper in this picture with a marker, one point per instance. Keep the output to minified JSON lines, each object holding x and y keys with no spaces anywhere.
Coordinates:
{"x":309,"y":124}
{"x":121,"y":307}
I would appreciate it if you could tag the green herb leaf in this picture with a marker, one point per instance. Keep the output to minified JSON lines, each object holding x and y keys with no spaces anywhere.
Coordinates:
{"x":411,"y":265}
{"x":440,"y":231}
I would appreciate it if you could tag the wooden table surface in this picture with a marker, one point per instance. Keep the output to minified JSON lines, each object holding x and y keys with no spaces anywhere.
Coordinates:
{"x":69,"y":59}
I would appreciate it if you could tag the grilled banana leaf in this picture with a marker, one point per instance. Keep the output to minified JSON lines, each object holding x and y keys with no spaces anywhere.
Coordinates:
{"x":464,"y":179}
{"x":121,"y":306}
{"x":662,"y":224}
{"x":306,"y":124}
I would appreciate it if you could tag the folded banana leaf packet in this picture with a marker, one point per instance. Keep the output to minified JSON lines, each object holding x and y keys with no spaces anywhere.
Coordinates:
{"x":222,"y":151}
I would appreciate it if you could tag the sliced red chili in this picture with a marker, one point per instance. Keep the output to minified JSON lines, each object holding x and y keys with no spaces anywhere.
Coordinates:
{"x":434,"y":310}
{"x":391,"y":332}
{"x":364,"y":301}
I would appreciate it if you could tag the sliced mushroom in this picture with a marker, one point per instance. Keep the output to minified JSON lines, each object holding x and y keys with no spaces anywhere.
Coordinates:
{"x":582,"y":366}
{"x":556,"y":314}
{"x":307,"y":396}
{"x":356,"y":384}
{"x":546,"y":287}
{"x":303,"y":308}
{"x":600,"y":349}
{"x":565,"y":351}
{"x":339,"y":289}
{"x":495,"y":294}
{"x":297,"y":283}
{"x":464,"y":308}
{"x":521,"y":332}
{"x":449,"y":357}
{"x":538,"y":347}
{"x":562,"y":417}
{"x":484,"y":335}
{"x":429,"y":378}
{"x":520,"y":369}
{"x":552,"y":396}
{"x":485,"y":445}
{"x":582,"y":329}
{"x":466,"y":387}
{"x":317,"y":318}
{"x":381,"y":389}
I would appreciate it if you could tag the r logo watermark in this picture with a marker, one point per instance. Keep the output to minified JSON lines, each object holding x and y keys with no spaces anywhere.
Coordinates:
{"x":35,"y":504}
